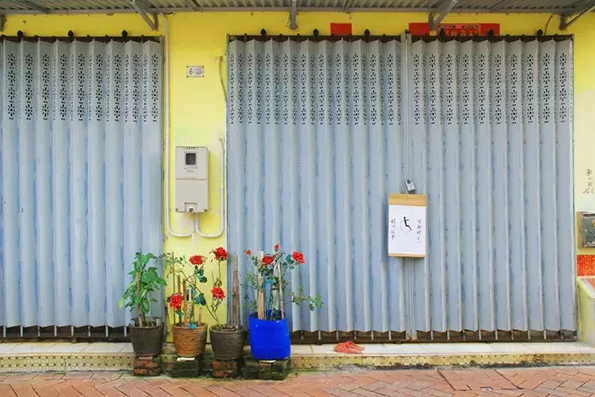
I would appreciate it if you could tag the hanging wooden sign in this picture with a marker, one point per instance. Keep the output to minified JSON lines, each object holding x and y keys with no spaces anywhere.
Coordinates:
{"x":407,"y":230}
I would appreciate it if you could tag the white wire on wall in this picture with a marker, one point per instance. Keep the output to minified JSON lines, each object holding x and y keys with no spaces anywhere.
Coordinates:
{"x":221,"y":200}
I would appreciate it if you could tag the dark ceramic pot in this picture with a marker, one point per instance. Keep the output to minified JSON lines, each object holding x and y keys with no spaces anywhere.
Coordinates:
{"x":147,"y":341}
{"x":228,"y":344}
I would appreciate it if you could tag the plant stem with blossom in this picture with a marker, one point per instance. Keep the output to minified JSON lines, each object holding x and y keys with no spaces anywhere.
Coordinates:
{"x":272,"y":270}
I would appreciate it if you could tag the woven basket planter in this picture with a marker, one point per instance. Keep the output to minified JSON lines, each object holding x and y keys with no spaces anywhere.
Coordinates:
{"x":228,"y":344}
{"x":190,"y":342}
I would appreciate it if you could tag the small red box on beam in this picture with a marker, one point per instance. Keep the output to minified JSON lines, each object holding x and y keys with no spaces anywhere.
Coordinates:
{"x":419,"y":29}
{"x":341,"y":29}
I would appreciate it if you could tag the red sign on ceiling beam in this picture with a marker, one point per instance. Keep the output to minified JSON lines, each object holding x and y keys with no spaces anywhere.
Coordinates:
{"x":341,"y":29}
{"x":455,"y":29}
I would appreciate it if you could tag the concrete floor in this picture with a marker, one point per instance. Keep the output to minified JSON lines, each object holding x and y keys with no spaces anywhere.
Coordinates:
{"x":12,"y":349}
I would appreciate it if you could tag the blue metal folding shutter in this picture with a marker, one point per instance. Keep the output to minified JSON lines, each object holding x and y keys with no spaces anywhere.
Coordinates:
{"x":321,"y":132}
{"x":81,"y":177}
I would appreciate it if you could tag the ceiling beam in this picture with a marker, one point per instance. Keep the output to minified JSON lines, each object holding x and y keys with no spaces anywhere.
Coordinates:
{"x":498,"y":4}
{"x":33,"y":6}
{"x":565,"y":23}
{"x":293,"y":15}
{"x":575,"y":7}
{"x":165,"y":10}
{"x":435,"y":18}
{"x":193,"y":4}
{"x":150,"y":18}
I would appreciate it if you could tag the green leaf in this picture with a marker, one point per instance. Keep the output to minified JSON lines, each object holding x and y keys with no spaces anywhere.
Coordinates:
{"x":140,"y":296}
{"x":145,"y":307}
{"x":200,"y":299}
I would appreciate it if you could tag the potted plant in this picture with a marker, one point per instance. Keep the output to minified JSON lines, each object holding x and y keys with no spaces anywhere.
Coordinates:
{"x":227,"y":340}
{"x":146,"y":334}
{"x":189,"y":332}
{"x":268,"y":327}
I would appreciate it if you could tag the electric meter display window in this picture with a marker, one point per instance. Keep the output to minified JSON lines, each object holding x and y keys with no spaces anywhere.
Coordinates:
{"x":191,"y":158}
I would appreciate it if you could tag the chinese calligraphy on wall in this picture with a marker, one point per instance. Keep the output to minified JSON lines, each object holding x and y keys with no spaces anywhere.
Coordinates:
{"x":590,"y":189}
{"x":407,"y":226}
{"x":393,"y":229}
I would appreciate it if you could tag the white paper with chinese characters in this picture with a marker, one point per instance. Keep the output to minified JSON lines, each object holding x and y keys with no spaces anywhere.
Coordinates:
{"x":407,"y":230}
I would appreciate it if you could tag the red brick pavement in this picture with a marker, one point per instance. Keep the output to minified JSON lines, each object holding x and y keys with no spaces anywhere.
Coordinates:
{"x":528,"y":382}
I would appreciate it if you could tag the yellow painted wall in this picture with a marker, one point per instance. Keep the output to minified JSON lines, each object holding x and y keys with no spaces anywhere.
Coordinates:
{"x":586,"y":311}
{"x":197,"y":105}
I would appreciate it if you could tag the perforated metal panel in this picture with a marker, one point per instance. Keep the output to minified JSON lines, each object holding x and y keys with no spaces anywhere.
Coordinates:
{"x":321,"y":132}
{"x":80,"y":178}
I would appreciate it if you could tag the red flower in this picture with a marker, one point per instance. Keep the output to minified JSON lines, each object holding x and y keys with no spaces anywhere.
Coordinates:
{"x":267,"y":260}
{"x":220,"y":254}
{"x":298,"y":257}
{"x":175,"y":301}
{"x":248,"y":252}
{"x":196,"y":260}
{"x":277,"y":247}
{"x":218,"y":293}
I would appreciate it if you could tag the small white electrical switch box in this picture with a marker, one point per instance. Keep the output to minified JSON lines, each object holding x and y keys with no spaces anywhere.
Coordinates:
{"x":192,"y":179}
{"x":195,"y":71}
{"x":410,"y":186}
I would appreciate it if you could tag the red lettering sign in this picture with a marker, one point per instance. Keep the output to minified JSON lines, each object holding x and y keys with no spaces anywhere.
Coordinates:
{"x":456,"y":29}
{"x":459,"y":30}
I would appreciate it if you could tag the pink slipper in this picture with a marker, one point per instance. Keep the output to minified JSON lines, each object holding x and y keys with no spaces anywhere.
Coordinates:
{"x":354,"y":346}
{"x":344,"y":348}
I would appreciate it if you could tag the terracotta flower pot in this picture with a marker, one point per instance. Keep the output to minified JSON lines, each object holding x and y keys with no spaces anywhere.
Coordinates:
{"x":190,"y":342}
{"x":228,"y":342}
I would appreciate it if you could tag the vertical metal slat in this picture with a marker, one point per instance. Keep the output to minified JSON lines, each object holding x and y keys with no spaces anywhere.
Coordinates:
{"x":43,"y":181}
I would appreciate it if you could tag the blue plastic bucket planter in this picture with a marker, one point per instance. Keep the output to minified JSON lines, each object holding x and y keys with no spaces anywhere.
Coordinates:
{"x":269,"y":339}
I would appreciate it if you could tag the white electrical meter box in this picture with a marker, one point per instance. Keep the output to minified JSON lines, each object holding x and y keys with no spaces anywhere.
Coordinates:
{"x":192,"y":179}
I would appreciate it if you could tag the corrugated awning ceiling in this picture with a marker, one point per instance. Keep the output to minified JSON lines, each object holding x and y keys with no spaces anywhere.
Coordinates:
{"x":158,"y":6}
